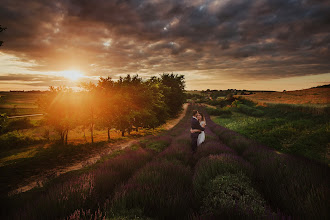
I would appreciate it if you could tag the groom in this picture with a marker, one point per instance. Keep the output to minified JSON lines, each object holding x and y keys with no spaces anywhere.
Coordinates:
{"x":195,"y":125}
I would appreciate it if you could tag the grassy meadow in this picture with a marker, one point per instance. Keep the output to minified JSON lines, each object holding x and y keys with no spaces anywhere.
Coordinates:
{"x":298,"y":129}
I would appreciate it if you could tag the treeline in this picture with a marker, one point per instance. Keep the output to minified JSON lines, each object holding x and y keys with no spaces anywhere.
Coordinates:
{"x":126,"y":104}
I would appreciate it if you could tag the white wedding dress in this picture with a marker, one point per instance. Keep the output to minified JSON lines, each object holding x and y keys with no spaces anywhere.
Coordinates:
{"x":201,"y":136}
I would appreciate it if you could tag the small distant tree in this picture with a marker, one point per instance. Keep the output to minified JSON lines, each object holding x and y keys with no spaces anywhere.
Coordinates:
{"x":230,"y":97}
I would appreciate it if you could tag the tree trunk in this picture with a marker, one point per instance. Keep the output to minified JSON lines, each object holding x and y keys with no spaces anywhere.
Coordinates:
{"x":122,"y":133}
{"x":92,"y":138}
{"x":137,"y":129}
{"x":62,"y":137}
{"x":108,"y":134}
{"x":66,"y":137}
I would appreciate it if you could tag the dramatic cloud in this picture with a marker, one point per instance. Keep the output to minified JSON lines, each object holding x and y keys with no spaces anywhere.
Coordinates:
{"x":210,"y":40}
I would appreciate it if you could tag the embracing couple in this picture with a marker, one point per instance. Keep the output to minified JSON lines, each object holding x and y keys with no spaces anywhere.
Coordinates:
{"x":198,"y":124}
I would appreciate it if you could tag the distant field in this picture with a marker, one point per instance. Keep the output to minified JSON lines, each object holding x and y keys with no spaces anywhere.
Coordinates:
{"x":305,"y":96}
{"x":194,"y":92}
{"x":19,"y":103}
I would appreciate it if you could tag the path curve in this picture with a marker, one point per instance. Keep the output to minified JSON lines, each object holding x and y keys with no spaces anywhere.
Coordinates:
{"x":38,"y":181}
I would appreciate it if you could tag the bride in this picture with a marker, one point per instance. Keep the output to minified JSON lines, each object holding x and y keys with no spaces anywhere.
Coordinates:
{"x":201,"y":136}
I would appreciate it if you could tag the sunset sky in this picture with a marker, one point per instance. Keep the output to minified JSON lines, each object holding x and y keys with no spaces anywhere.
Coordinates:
{"x":216,"y":44}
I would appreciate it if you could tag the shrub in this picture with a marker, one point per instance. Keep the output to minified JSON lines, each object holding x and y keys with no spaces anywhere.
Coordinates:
{"x":212,"y":148}
{"x":250,"y":110}
{"x":238,"y":143}
{"x":18,"y":124}
{"x":15,"y":140}
{"x":212,"y":166}
{"x":111,"y":173}
{"x":231,"y":196}
{"x":162,"y":189}
{"x":219,"y":112}
{"x":178,"y":152}
{"x":158,"y":143}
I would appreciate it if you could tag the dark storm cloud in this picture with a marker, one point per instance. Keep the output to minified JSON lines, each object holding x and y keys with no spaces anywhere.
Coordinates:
{"x":246,"y":39}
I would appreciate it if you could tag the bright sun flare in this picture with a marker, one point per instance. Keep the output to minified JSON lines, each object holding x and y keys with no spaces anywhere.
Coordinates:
{"x":73,"y":75}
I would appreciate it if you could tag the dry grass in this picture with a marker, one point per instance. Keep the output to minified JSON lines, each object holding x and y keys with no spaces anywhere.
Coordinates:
{"x":305,"y":96}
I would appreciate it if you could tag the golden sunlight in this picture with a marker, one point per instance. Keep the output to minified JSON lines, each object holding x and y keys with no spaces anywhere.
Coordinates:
{"x":73,"y":75}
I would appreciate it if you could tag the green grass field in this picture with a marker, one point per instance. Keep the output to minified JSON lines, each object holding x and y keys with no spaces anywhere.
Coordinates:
{"x":290,"y":132}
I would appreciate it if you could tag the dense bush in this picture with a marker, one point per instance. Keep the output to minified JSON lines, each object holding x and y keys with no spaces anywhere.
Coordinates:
{"x":17,"y":124}
{"x":212,"y":166}
{"x":157,"y":144}
{"x":218,"y":112}
{"x":178,"y":152}
{"x":161,"y":190}
{"x":250,"y":110}
{"x":212,"y":148}
{"x":13,"y":140}
{"x":231,"y":196}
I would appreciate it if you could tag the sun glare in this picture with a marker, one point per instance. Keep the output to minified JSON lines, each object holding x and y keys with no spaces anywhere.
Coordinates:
{"x":73,"y":75}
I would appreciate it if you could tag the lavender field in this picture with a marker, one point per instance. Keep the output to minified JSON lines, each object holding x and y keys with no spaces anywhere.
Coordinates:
{"x":229,"y":177}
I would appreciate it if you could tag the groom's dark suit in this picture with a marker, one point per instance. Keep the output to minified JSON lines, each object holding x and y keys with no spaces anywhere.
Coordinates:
{"x":194,"y":136}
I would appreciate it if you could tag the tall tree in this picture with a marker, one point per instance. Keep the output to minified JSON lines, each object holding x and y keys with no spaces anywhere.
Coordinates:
{"x":173,"y":89}
{"x":61,"y":107}
{"x":90,"y":107}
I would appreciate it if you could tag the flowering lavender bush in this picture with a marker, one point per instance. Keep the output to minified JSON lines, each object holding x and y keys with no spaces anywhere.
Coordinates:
{"x":212,"y":148}
{"x":231,"y":196}
{"x":162,"y":189}
{"x":158,"y":143}
{"x":208,"y":168}
{"x":84,"y":192}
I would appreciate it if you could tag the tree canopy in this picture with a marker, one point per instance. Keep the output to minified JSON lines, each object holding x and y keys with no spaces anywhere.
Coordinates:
{"x":125,"y":104}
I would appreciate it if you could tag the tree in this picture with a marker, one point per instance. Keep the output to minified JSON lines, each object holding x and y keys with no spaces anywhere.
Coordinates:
{"x":109,"y":105}
{"x":173,"y":89}
{"x":61,"y":106}
{"x":89,"y":107}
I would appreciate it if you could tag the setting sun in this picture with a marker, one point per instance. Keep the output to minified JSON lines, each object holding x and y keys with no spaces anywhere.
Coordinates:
{"x":73,"y":75}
